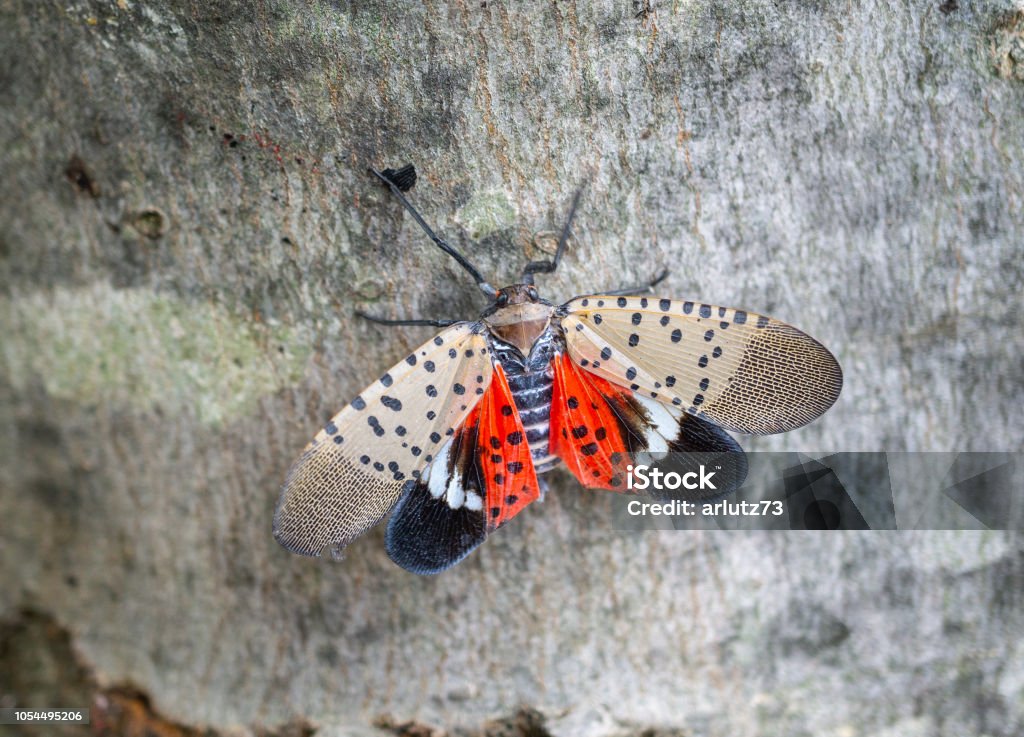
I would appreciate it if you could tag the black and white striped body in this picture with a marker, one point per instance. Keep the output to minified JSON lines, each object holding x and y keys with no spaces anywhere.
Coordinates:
{"x":531,"y":380}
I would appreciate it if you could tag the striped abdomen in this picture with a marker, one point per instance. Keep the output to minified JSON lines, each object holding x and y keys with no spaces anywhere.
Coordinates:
{"x":531,"y":392}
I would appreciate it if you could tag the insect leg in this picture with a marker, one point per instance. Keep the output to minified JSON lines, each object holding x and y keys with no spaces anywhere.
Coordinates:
{"x":547,"y":267}
{"x":396,"y":190}
{"x":637,"y":290}
{"x":429,"y":323}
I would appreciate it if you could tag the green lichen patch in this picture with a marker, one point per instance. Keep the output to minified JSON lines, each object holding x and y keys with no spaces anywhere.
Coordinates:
{"x":140,"y":349}
{"x":486,"y":214}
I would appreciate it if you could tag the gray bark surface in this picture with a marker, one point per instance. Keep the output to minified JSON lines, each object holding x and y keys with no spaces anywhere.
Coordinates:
{"x":186,"y":227}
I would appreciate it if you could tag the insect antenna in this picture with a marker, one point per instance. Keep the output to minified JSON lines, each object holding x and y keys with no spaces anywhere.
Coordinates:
{"x":407,"y":323}
{"x":404,"y":178}
{"x":627,"y":291}
{"x":547,"y":267}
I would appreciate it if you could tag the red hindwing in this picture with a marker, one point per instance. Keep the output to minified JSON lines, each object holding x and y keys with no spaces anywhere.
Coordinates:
{"x":586,"y":432}
{"x":504,"y":453}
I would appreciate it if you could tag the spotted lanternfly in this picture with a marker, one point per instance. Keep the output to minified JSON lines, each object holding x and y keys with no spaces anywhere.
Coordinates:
{"x":451,"y":439}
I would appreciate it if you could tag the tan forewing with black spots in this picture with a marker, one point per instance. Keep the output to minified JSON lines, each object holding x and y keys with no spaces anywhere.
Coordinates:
{"x":744,"y":372}
{"x":354,"y":470}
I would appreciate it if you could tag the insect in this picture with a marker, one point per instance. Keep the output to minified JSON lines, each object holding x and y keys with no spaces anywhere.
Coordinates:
{"x":452,"y":438}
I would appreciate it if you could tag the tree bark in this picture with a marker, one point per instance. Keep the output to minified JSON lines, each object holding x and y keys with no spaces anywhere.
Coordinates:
{"x":187,"y":226}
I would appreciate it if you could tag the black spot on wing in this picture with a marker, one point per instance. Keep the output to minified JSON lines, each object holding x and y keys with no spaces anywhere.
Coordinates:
{"x":374,"y":423}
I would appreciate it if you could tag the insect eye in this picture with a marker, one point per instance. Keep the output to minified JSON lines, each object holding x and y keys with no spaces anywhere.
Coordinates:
{"x":532,"y":292}
{"x":502,"y":299}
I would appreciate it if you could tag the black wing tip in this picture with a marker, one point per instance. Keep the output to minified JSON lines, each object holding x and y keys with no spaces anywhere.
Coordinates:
{"x":426,"y":537}
{"x":700,"y":442}
{"x":420,"y":559}
{"x":404,"y":178}
{"x":413,"y":562}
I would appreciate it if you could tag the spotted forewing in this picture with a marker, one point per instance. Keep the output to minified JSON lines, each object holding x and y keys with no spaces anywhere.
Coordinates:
{"x":741,"y":371}
{"x":356,"y":468}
